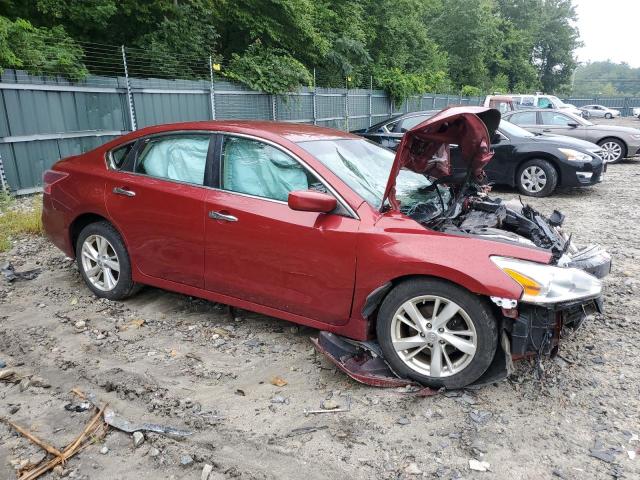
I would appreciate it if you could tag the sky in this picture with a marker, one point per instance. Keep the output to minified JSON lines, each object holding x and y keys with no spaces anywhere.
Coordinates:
{"x":609,"y":29}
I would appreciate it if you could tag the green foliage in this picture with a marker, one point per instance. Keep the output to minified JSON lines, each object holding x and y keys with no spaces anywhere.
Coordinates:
{"x":506,"y":45}
{"x":470,"y":91}
{"x":39,"y":50}
{"x":267,"y":69}
{"x":180,"y":47}
{"x":606,"y":78}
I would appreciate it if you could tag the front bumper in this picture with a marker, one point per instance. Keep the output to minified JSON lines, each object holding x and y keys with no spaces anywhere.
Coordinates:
{"x":537,"y":329}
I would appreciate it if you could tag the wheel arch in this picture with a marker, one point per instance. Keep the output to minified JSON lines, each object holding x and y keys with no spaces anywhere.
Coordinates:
{"x":376,"y":297}
{"x":81,"y":221}
{"x":613,"y":137}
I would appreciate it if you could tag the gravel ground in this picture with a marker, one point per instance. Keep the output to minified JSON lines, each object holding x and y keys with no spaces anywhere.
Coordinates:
{"x":170,"y":359}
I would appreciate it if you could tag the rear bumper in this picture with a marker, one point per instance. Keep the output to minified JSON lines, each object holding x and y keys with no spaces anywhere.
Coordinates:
{"x":55,"y":224}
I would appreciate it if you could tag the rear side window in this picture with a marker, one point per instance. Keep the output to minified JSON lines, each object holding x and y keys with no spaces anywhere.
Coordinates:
{"x":181,"y":158}
{"x":523,"y":118}
{"x":119,"y":155}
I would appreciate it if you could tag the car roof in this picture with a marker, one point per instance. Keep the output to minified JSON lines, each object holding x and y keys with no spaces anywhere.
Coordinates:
{"x":294,"y":132}
{"x":395,"y":118}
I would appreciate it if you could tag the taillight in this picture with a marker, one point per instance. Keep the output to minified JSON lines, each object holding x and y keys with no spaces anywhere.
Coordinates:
{"x":50,"y":177}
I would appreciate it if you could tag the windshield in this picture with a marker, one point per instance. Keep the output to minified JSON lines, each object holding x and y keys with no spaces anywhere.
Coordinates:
{"x":365,"y":167}
{"x":511,"y":130}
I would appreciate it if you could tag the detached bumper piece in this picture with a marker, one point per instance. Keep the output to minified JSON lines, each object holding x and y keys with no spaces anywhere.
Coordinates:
{"x":536,"y":330}
{"x":363,"y":361}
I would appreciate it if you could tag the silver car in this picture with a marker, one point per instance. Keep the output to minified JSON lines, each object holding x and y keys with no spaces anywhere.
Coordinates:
{"x":599,"y":111}
{"x":616,"y":142}
{"x":636,"y":112}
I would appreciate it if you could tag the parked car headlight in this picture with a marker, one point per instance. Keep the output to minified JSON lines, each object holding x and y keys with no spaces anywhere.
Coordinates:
{"x":545,"y":284}
{"x":575,"y":155}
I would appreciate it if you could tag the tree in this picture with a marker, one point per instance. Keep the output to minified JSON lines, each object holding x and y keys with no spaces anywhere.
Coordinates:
{"x":555,"y":41}
{"x":39,"y":50}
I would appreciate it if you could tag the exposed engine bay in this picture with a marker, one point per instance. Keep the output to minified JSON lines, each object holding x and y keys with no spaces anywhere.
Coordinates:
{"x":473,"y":212}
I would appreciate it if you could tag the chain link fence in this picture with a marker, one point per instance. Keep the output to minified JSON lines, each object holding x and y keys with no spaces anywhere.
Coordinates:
{"x":45,"y":118}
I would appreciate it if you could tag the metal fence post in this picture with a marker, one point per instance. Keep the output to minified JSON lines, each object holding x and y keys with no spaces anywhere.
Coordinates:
{"x":132,"y":113}
{"x":346,"y":104}
{"x":212,"y":92}
{"x":315,"y":104}
{"x":433,"y":102}
{"x":370,"y":100}
{"x":4,"y":185}
{"x":274,"y":117}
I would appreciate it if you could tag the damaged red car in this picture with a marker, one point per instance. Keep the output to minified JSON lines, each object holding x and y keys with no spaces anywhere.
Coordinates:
{"x":386,"y":252}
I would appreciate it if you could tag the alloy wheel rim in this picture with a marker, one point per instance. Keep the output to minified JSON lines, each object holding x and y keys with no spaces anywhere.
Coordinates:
{"x":434,"y":336}
{"x":533,"y":179}
{"x":100,"y":263}
{"x":611,"y":151}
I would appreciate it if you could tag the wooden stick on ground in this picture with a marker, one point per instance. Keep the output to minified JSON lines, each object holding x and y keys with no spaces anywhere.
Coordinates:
{"x":33,"y":438}
{"x":73,"y":448}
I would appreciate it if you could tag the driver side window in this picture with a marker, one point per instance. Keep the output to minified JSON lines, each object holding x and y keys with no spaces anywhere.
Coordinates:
{"x":256,"y":168}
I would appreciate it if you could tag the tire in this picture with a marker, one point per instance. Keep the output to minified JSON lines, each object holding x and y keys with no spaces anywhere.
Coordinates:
{"x":454,"y":368}
{"x":608,"y":116}
{"x":117,"y":285}
{"x":537,"y":178}
{"x":615,"y":150}
{"x":586,"y":114}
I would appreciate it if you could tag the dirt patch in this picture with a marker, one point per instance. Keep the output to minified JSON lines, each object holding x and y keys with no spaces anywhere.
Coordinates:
{"x":170,"y":359}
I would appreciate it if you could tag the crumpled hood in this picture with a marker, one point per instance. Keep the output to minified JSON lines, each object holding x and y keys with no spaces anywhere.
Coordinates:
{"x":426,"y":147}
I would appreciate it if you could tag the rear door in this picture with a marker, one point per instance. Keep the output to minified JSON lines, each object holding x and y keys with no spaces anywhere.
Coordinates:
{"x":259,"y":250}
{"x":156,"y":200}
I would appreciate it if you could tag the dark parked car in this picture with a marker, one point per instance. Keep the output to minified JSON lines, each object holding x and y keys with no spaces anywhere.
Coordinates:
{"x":535,"y":164}
{"x":617,"y":142}
{"x":323,"y":228}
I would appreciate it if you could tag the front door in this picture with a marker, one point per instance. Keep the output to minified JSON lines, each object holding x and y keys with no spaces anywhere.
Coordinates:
{"x":157,"y":201}
{"x":560,"y":124}
{"x":258,"y":249}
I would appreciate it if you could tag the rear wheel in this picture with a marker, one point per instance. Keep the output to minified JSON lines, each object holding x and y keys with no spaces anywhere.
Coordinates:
{"x":104,"y":262}
{"x":436,"y":333}
{"x":613,"y":150}
{"x":537,"y":178}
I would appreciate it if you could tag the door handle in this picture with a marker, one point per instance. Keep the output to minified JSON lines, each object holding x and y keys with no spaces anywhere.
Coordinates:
{"x":222,"y":216}
{"x":124,"y":191}
{"x":546,"y":130}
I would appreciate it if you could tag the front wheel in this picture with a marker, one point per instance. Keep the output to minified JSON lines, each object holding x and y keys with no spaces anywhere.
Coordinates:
{"x":537,"y":178}
{"x":436,"y":333}
{"x":608,"y":116}
{"x":613,"y":150}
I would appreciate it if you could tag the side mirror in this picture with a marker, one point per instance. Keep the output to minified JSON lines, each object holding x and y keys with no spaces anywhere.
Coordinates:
{"x":310,"y":201}
{"x":573,"y":125}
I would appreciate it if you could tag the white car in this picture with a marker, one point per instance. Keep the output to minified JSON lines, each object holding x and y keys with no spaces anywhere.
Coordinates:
{"x":539,"y":100}
{"x":600,"y":111}
{"x":636,"y":112}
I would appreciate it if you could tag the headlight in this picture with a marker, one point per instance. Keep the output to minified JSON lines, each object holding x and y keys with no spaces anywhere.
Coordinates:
{"x":575,"y":155}
{"x":546,"y":284}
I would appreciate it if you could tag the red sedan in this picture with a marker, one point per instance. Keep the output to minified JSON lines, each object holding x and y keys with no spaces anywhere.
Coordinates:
{"x":323,"y":228}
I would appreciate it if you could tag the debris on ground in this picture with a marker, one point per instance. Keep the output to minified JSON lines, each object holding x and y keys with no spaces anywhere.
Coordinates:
{"x":478,"y":466}
{"x":10,"y":275}
{"x":278,"y":381}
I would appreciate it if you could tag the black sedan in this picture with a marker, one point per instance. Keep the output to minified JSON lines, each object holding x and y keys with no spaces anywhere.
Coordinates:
{"x":535,"y":164}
